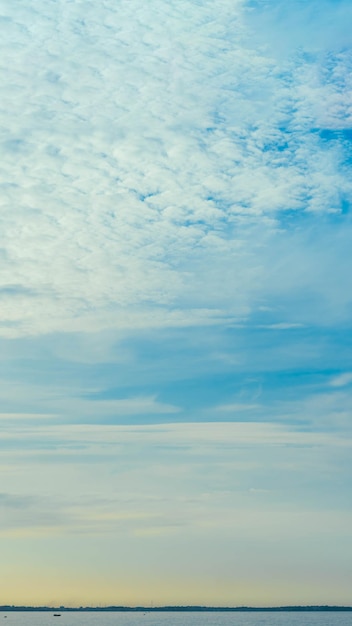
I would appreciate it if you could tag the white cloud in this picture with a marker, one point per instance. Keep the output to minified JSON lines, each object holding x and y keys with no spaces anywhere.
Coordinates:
{"x":25,"y":416}
{"x":341,"y":380}
{"x":209,"y":434}
{"x":236,"y":408}
{"x":147,"y":155}
{"x":128,"y":406}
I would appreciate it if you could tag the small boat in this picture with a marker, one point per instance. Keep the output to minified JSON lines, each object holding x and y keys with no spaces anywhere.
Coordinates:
{"x":57,"y":614}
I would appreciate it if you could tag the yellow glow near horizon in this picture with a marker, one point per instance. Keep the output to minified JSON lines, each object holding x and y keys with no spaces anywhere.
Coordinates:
{"x":75,"y":588}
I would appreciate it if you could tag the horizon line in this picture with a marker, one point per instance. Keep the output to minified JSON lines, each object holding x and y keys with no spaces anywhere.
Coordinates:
{"x":170,"y":608}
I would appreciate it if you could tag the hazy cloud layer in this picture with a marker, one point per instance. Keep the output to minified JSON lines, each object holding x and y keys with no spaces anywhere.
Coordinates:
{"x":132,"y":478}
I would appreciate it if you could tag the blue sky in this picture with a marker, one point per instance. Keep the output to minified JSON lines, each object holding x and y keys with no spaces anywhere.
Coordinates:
{"x":175,"y":336}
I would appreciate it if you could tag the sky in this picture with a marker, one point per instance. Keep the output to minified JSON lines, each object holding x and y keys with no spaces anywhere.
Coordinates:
{"x":175,"y":302}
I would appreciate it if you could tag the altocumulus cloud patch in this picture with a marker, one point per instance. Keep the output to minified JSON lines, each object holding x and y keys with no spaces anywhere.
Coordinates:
{"x":150,"y":154}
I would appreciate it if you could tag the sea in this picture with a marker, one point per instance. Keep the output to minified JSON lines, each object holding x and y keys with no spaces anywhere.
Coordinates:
{"x":265,"y":618}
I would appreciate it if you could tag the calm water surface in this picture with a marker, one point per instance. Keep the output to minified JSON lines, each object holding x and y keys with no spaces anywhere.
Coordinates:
{"x":178,"y":619}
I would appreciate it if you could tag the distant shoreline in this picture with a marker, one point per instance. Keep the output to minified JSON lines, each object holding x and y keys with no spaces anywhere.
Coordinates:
{"x":144,"y":609}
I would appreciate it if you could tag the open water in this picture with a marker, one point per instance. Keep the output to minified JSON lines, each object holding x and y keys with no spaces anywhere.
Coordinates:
{"x":178,"y":619}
